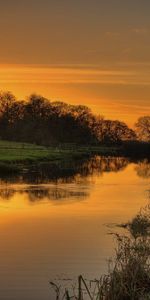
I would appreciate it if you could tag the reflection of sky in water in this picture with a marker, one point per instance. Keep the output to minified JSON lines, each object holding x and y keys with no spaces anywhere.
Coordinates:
{"x":57,"y":229}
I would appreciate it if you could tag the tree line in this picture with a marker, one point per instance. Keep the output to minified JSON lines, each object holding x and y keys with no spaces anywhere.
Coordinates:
{"x":40,"y":121}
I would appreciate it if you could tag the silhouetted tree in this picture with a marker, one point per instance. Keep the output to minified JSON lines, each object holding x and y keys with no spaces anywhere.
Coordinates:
{"x":113,"y":131}
{"x":143,"y":128}
{"x":43,"y":122}
{"x":7,"y":100}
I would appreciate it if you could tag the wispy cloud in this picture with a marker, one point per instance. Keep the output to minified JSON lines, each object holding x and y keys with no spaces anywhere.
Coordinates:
{"x":74,"y":75}
{"x":60,"y":75}
{"x":113,"y":34}
{"x":112,"y":91}
{"x":140,"y":30}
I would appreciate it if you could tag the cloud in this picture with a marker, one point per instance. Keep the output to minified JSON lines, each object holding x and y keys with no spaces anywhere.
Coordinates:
{"x":140,"y":31}
{"x":113,"y":34}
{"x":127,"y":75}
{"x":63,"y":75}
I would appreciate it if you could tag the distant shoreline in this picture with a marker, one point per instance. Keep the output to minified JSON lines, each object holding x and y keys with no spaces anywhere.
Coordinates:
{"x":15,"y":156}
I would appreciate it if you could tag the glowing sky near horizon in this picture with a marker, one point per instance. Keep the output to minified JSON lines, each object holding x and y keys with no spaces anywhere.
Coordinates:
{"x":91,"y":52}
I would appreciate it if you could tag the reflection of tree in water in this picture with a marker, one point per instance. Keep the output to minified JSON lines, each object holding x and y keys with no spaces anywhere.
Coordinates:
{"x":75,"y":172}
{"x":143,"y":169}
{"x":44,"y":193}
{"x":6,"y":193}
{"x":55,"y":193}
{"x":101,"y":164}
{"x":68,"y":171}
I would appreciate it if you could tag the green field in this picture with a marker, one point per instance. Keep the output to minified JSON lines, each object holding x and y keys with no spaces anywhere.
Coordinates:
{"x":23,"y":152}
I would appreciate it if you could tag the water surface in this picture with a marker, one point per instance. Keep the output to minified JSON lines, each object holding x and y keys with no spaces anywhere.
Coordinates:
{"x":53,"y":222}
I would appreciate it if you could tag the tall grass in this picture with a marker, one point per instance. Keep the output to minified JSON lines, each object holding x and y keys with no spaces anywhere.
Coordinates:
{"x":128,"y":277}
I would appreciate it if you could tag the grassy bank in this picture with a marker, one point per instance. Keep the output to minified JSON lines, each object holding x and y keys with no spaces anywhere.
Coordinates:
{"x":13,"y":154}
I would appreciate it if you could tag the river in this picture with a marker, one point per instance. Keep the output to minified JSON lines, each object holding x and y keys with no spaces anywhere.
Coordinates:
{"x":56,"y":224}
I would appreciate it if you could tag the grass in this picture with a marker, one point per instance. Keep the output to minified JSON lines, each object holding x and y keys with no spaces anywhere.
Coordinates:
{"x":14,"y":156}
{"x":128,"y":277}
{"x":17,"y":152}
{"x":140,"y":224}
{"x":21,"y":152}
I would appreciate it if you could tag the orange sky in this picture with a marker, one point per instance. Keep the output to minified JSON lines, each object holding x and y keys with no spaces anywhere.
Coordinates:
{"x":112,"y":93}
{"x":95,"y":53}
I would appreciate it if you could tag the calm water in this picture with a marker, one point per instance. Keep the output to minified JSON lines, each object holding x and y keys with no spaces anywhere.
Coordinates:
{"x":52,"y":222}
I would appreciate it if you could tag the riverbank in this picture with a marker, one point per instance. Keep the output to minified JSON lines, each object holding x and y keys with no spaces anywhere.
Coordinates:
{"x":14,"y":156}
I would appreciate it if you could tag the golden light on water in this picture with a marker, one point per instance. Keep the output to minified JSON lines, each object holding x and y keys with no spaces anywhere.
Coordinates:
{"x":99,"y":191}
{"x":60,"y":229}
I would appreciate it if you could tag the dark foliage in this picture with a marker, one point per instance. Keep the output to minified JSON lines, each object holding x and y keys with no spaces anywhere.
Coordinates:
{"x":136,"y":149}
{"x":43,"y":122}
{"x":143,"y":128}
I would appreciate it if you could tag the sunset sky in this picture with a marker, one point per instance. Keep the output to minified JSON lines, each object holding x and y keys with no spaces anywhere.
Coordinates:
{"x":91,"y":52}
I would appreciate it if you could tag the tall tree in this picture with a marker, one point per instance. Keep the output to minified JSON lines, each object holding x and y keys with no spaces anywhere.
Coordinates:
{"x":7,"y":99}
{"x":143,"y":128}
